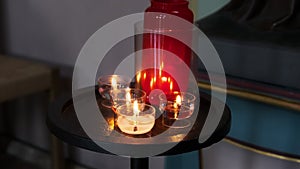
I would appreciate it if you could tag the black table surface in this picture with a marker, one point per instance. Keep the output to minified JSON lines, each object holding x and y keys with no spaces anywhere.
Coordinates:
{"x":63,"y":123}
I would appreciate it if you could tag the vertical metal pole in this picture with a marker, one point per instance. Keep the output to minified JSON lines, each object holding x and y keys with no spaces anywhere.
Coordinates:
{"x":57,"y":147}
{"x":200,"y":156}
{"x":57,"y":154}
{"x":139,"y":163}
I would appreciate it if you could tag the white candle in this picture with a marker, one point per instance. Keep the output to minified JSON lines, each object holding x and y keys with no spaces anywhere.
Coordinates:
{"x":137,"y":121}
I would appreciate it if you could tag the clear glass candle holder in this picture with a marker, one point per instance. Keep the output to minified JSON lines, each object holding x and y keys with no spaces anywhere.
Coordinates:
{"x":135,"y":118}
{"x":176,"y":108}
{"x":111,"y":82}
{"x":127,"y":96}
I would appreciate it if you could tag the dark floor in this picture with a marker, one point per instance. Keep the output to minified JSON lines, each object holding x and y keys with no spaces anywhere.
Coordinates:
{"x":10,"y":162}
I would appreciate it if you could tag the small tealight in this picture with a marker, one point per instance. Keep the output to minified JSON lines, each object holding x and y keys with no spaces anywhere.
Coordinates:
{"x":135,"y":118}
{"x":127,"y":96}
{"x":111,"y":82}
{"x":176,"y":108}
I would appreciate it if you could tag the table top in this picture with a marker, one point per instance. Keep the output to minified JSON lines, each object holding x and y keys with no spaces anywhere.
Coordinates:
{"x":63,"y":123}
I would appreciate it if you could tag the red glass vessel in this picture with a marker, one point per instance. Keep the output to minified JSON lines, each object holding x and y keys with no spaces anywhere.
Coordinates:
{"x":165,"y":68}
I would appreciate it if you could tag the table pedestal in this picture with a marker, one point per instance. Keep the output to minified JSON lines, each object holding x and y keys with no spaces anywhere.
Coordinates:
{"x":139,"y":163}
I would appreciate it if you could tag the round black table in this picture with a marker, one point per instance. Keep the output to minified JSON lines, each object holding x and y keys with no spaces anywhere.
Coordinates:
{"x":63,"y":123}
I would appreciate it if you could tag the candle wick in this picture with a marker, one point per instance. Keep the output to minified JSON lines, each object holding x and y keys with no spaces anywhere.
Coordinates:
{"x":135,"y":123}
{"x":135,"y":128}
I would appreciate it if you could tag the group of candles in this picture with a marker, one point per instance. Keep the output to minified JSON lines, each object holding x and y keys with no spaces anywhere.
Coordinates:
{"x":133,"y":115}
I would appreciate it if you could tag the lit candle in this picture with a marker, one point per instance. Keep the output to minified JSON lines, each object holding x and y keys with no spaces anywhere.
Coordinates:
{"x":109,"y":83}
{"x":135,"y":118}
{"x":114,"y":83}
{"x":176,"y":107}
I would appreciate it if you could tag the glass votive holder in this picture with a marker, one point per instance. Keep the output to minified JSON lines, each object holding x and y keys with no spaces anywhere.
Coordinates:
{"x":111,"y":82}
{"x":127,"y":96}
{"x":135,"y":118}
{"x":176,"y":108}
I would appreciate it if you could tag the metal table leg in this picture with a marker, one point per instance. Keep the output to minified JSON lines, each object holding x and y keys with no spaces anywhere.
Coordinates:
{"x":139,"y":163}
{"x":58,"y":161}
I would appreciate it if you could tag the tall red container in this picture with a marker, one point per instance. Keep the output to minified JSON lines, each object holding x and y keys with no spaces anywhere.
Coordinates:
{"x":156,"y":77}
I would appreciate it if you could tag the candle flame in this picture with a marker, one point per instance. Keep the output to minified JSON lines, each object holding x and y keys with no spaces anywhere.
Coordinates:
{"x":145,"y":75}
{"x":114,"y":83}
{"x":176,"y":104}
{"x":128,"y":96}
{"x":178,"y":100}
{"x":169,"y":79}
{"x":111,"y":124}
{"x":135,"y":108}
{"x":164,"y":79}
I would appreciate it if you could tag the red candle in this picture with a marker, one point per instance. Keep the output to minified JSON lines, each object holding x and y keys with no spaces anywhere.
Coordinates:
{"x":164,"y":67}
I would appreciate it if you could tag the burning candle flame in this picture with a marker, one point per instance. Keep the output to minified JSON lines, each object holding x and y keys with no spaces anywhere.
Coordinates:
{"x":114,"y":83}
{"x":164,"y":79}
{"x":178,"y":100}
{"x":128,"y":96}
{"x":135,"y":108}
{"x":176,"y":104}
{"x":145,"y":75}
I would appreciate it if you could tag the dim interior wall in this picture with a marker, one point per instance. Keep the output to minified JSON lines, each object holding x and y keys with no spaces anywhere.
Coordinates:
{"x":54,"y":31}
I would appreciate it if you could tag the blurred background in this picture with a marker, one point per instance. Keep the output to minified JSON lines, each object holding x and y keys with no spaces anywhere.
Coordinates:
{"x":258,"y":43}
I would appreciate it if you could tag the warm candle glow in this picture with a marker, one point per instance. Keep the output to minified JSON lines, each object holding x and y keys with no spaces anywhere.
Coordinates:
{"x":127,"y":95}
{"x":178,"y":102}
{"x":134,"y":119}
{"x":145,"y":75}
{"x":114,"y":83}
{"x":135,"y":108}
{"x":171,"y":86}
